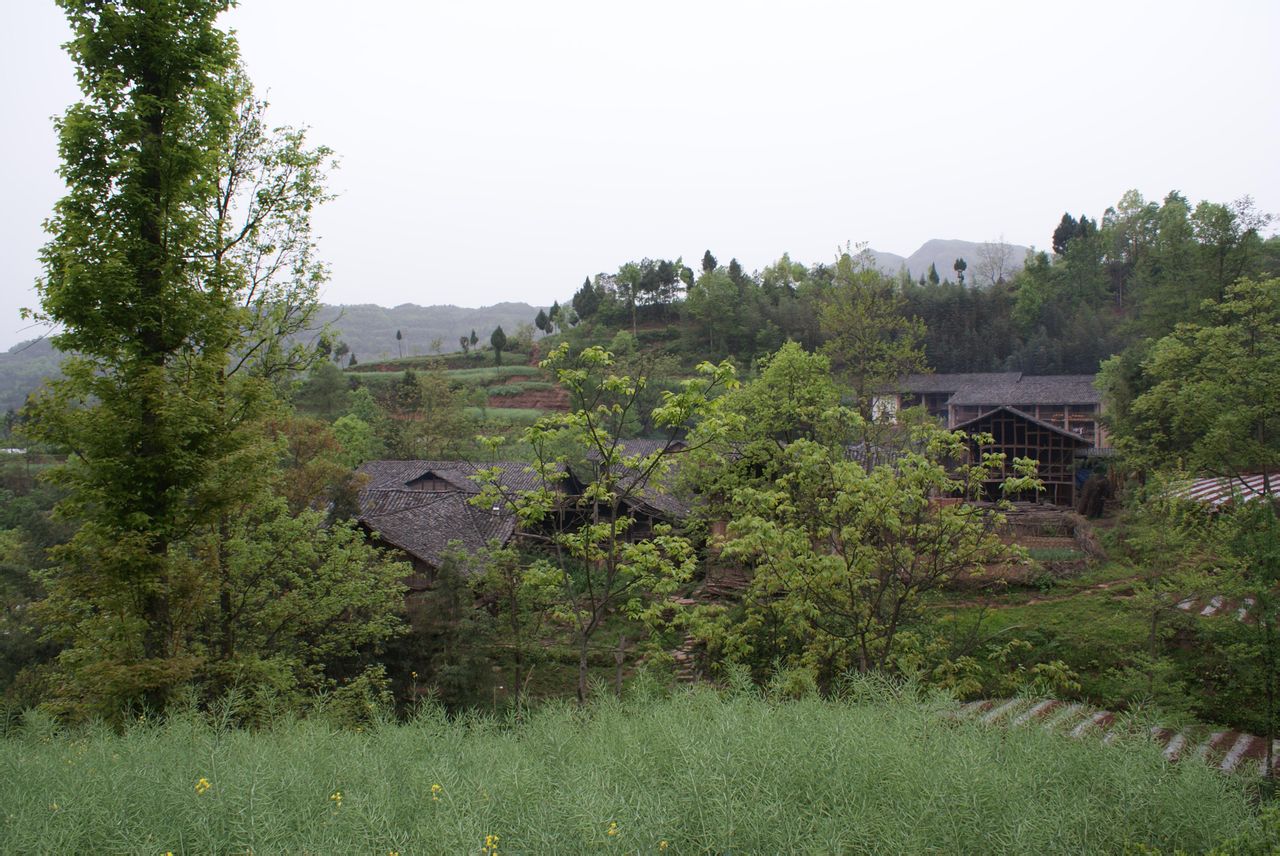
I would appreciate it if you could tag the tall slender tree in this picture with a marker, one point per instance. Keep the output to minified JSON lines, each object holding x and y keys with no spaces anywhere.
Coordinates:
{"x":498,"y":340}
{"x":180,"y":253}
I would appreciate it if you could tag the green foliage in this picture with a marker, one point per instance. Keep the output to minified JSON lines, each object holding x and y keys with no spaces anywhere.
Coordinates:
{"x":743,"y":442}
{"x":498,"y":341}
{"x":434,"y":423}
{"x":1055,"y":554}
{"x":521,"y":594}
{"x":601,"y":563}
{"x":727,"y":316}
{"x":325,"y":392}
{"x":450,"y":643}
{"x":518,"y":388}
{"x":504,"y":415}
{"x":842,"y":551}
{"x":768,"y":776}
{"x":491,"y":373}
{"x":1213,"y":389}
{"x":180,"y":258}
{"x":870,"y":341}
{"x":586,"y":300}
{"x":181,"y":268}
{"x":358,"y":440}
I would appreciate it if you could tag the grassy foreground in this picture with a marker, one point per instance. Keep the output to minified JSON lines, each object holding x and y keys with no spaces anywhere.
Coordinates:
{"x":697,"y":773}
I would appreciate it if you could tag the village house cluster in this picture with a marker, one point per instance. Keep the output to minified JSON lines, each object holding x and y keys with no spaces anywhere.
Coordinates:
{"x":420,"y":507}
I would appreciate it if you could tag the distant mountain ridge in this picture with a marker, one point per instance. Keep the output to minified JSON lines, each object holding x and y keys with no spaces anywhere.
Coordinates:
{"x":943,"y":254}
{"x":370,"y":330}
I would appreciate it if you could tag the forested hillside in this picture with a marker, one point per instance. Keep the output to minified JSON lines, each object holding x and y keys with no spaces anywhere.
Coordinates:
{"x":1104,"y":284}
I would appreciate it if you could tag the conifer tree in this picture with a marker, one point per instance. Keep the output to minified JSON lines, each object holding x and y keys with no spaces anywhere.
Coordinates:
{"x":498,"y":340}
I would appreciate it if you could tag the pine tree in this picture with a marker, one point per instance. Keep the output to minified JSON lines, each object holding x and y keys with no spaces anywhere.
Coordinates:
{"x":498,"y":340}
{"x":586,"y":300}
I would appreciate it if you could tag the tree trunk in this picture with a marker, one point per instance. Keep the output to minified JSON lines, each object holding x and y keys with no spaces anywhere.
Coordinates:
{"x":1269,"y":661}
{"x":619,"y":658}
{"x":582,"y":669}
{"x":149,"y":265}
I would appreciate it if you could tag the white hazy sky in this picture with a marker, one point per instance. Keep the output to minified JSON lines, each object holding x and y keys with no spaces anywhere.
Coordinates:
{"x":503,"y":151}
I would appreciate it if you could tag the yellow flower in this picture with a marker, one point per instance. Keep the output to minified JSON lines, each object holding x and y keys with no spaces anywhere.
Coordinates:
{"x":414,"y":675}
{"x":613,"y":827}
{"x":436,"y":790}
{"x":202,"y":785}
{"x":393,"y":853}
{"x":336,"y":798}
{"x":53,"y":807}
{"x":663,"y":844}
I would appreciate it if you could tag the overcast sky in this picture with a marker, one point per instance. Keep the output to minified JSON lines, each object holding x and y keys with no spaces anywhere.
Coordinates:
{"x":503,"y":151}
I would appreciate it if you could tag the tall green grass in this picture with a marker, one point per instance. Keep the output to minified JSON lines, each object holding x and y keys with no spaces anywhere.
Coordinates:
{"x":1056,"y":554}
{"x":499,"y":416}
{"x":703,"y":772}
{"x":520,"y":386}
{"x":468,"y":377}
{"x":491,"y":373}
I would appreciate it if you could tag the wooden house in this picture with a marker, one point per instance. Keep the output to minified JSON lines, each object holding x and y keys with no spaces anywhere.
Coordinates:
{"x":1021,"y":435}
{"x":420,"y":507}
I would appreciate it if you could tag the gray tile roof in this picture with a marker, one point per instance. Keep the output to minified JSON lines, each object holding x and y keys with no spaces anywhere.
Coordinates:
{"x":1030,"y":389}
{"x":397,"y":475}
{"x":423,"y":522}
{"x":425,"y":527}
{"x":922,"y":384}
{"x":996,"y":388}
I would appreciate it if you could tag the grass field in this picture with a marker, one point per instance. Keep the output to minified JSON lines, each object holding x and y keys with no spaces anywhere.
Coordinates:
{"x":455,"y":360}
{"x":696,"y":773}
{"x":505,"y":415}
{"x":520,"y":386}
{"x":488,"y":374}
